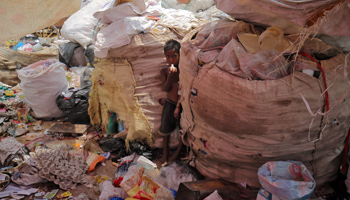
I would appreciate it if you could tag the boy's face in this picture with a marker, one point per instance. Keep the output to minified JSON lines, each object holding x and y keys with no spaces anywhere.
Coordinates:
{"x":172,"y":57}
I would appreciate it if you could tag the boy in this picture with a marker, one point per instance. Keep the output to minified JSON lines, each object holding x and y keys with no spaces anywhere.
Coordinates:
{"x":171,"y":110}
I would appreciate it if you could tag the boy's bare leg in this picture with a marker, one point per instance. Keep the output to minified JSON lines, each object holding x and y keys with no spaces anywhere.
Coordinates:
{"x":178,"y":150}
{"x":164,"y":158}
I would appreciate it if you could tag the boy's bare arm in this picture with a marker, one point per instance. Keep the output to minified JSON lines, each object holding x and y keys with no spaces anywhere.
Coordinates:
{"x":163,"y":75}
{"x":177,"y":110}
{"x":169,"y":76}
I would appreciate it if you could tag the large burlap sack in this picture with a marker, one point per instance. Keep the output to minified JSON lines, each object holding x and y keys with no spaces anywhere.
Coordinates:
{"x":27,"y":58}
{"x":292,"y":16}
{"x":128,"y":83}
{"x":24,"y":17}
{"x":8,"y":73}
{"x":10,"y":60}
{"x":234,"y":125}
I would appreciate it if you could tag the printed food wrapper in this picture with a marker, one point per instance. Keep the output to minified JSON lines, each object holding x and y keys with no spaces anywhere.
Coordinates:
{"x":100,"y":179}
{"x":66,"y":194}
{"x":51,"y":194}
{"x":93,"y":159}
{"x":33,"y":136}
{"x":140,"y":187}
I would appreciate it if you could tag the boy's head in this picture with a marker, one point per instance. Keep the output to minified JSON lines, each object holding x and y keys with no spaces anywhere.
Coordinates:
{"x":172,"y":52}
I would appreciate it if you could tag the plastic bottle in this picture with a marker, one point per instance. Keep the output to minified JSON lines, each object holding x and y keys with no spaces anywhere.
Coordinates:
{"x":112,"y":124}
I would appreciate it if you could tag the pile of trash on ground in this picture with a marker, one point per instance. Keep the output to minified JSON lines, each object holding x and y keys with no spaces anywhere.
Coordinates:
{"x":259,"y":67}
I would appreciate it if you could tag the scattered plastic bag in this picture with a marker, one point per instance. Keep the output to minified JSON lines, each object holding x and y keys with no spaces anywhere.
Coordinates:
{"x":26,"y":174}
{"x":285,"y":180}
{"x":172,"y":175}
{"x":108,"y":191}
{"x":19,"y":192}
{"x":122,"y":170}
{"x":12,"y":152}
{"x":85,"y":76}
{"x":140,"y":186}
{"x":81,"y":196}
{"x":41,"y":83}
{"x":164,"y":194}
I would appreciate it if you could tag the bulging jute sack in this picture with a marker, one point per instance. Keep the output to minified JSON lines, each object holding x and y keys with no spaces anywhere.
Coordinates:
{"x":235,"y":121}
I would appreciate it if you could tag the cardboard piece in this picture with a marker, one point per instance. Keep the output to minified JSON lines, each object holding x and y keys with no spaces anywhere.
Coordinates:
{"x":68,"y":128}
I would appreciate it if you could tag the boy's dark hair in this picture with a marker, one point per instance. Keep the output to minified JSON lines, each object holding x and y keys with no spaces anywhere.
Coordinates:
{"x":172,"y":44}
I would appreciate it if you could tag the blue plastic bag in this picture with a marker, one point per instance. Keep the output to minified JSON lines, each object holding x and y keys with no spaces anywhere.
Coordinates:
{"x":285,"y":180}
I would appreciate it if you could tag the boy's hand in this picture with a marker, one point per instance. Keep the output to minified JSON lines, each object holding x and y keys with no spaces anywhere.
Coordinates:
{"x":177,"y":113}
{"x":172,"y":69}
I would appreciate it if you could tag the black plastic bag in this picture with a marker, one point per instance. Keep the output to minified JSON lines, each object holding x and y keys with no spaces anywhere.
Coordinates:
{"x":75,"y":104}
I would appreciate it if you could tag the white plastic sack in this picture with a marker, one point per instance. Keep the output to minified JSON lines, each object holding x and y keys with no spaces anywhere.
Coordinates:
{"x":84,"y":3}
{"x":181,"y":20}
{"x":80,"y":26}
{"x":212,"y":14}
{"x":193,"y":5}
{"x":109,"y":14}
{"x":41,"y":83}
{"x":119,"y":33}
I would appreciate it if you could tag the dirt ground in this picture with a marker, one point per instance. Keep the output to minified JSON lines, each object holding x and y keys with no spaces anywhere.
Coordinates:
{"x":329,"y":191}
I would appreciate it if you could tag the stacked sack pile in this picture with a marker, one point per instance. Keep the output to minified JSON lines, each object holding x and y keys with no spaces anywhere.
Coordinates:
{"x":253,"y":94}
{"x":126,"y":79}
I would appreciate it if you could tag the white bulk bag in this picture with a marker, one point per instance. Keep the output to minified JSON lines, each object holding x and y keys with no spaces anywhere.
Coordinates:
{"x":41,"y":83}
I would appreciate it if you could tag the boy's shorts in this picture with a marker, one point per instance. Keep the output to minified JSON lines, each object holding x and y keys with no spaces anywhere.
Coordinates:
{"x":168,"y":121}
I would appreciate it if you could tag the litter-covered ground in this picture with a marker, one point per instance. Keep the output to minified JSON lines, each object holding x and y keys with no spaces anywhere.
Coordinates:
{"x":264,"y":91}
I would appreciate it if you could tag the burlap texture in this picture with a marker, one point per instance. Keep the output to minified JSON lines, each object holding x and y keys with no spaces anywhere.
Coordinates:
{"x":132,"y":85}
{"x":235,"y":125}
{"x":24,"y":17}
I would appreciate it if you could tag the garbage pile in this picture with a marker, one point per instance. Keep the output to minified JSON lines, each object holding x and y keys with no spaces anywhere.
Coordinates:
{"x":48,"y":160}
{"x":31,"y":43}
{"x":49,"y":156}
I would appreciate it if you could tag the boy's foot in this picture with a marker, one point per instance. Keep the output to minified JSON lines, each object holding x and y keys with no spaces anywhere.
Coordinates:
{"x":174,"y":157}
{"x":163,"y":159}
